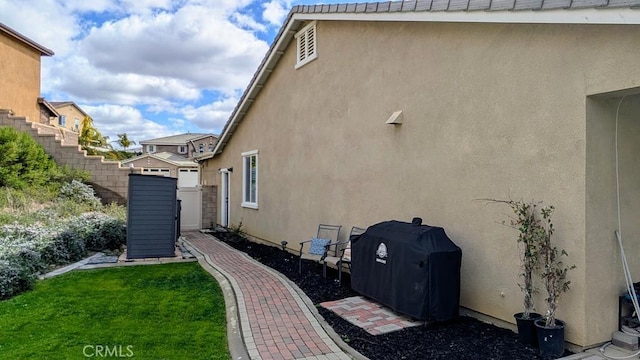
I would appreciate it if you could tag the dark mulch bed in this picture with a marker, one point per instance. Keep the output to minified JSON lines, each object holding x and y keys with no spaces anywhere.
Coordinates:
{"x":464,"y":338}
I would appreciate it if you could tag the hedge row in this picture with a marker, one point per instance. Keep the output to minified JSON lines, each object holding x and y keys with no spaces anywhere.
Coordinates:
{"x":26,"y":251}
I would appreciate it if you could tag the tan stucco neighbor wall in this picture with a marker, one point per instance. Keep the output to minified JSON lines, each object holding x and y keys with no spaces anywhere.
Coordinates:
{"x":489,"y":111}
{"x":19,"y":78}
{"x":72,"y":113}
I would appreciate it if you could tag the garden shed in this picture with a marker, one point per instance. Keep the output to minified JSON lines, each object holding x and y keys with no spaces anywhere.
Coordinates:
{"x":152,"y":216}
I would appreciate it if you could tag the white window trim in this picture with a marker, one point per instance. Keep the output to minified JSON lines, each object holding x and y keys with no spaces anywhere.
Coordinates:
{"x":245,"y":203}
{"x":151,"y":148}
{"x":182,"y":149}
{"x":302,"y":36}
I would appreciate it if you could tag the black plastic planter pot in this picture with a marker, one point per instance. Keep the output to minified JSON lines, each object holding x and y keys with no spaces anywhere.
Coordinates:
{"x":526,"y":329}
{"x":550,"y":339}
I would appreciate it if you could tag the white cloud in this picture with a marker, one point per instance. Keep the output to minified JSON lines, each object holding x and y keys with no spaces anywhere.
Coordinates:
{"x":211,"y":116}
{"x":275,"y":11}
{"x":48,"y":24}
{"x":87,"y":84}
{"x":195,"y":45}
{"x":112,"y":120}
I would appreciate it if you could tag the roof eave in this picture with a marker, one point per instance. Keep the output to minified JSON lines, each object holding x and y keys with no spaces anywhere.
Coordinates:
{"x":596,"y":16}
{"x":25,"y":40}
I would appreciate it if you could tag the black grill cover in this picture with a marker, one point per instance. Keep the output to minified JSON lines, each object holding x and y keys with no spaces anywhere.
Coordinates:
{"x":412,"y":269}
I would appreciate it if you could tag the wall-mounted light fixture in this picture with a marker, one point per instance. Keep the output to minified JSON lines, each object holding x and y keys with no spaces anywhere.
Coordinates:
{"x":396,"y":118}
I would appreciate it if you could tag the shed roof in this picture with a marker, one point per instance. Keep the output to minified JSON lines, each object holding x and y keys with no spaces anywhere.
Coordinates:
{"x":25,"y":40}
{"x":623,"y":12}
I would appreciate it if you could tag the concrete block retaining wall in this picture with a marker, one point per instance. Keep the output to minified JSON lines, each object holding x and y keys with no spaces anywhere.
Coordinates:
{"x":109,"y":180}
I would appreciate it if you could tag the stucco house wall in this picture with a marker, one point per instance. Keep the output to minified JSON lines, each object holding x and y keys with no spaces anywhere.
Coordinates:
{"x":19,"y":77}
{"x":489,"y":111}
{"x":72,"y":114}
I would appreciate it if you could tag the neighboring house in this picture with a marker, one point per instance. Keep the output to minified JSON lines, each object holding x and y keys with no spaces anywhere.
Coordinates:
{"x":187,"y":145}
{"x":71,"y":115}
{"x":167,"y":164}
{"x":370,"y":112}
{"x":173,"y":156}
{"x":20,"y":74}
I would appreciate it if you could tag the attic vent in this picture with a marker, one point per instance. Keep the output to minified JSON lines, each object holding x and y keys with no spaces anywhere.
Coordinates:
{"x":306,"y":44}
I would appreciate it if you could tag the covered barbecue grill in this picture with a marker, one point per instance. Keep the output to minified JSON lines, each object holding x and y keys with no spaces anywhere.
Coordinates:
{"x":411,"y":268}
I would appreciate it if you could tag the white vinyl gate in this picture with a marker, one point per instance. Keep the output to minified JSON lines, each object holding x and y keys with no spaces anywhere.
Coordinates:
{"x":191,"y":213}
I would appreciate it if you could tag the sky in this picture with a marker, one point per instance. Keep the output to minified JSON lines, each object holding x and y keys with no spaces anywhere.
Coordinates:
{"x":150,"y":68}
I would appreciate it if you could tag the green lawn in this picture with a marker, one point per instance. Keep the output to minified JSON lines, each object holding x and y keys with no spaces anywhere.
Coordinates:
{"x":173,"y":311}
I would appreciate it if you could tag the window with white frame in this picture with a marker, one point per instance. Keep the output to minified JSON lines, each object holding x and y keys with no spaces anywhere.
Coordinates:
{"x":62,"y":120}
{"x":76,"y":124}
{"x":250,"y":179}
{"x":201,"y":148}
{"x":306,"y":45}
{"x":151,"y":148}
{"x":182,"y":149}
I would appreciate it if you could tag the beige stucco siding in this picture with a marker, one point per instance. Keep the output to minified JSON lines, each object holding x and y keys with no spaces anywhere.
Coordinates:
{"x":489,"y":111}
{"x":19,"y":78}
{"x":72,"y":113}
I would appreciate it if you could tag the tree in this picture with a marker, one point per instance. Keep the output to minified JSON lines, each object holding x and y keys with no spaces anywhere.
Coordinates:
{"x":90,"y":136}
{"x":123,"y":140}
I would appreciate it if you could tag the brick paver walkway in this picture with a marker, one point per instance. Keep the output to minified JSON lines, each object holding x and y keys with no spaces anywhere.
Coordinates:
{"x":372,"y":317}
{"x":276,"y":323}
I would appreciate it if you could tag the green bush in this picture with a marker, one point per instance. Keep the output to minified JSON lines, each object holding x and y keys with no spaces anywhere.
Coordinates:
{"x":25,"y":165}
{"x":80,"y":193}
{"x":14,"y":278}
{"x":63,"y":248}
{"x":23,"y":162}
{"x":99,"y":231}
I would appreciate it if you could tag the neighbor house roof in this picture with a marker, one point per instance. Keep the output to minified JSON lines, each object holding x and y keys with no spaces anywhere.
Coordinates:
{"x":167,"y":157}
{"x":48,"y":106}
{"x":61,"y":104}
{"x":180,"y":139}
{"x":25,"y":40}
{"x":463,"y":11}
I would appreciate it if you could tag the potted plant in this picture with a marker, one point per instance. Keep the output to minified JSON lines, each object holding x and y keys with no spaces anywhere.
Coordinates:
{"x":528,"y":225}
{"x":550,"y":330}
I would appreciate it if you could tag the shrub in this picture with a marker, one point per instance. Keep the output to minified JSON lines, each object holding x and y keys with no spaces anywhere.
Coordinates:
{"x":81,"y":193}
{"x":14,"y":278}
{"x":63,"y":248}
{"x":26,"y":251}
{"x":99,"y":231}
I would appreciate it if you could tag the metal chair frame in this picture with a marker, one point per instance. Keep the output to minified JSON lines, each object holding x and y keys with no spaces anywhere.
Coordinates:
{"x":338,"y":261}
{"x":322,"y":229}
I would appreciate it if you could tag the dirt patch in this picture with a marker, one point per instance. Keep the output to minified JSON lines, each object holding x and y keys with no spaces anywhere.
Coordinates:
{"x":463,"y":338}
